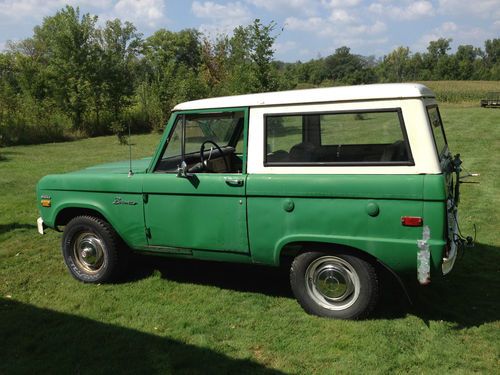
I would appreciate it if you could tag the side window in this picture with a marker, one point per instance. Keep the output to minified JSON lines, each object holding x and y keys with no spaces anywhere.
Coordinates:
{"x":437,"y":129}
{"x":210,"y":143}
{"x":367,"y":137}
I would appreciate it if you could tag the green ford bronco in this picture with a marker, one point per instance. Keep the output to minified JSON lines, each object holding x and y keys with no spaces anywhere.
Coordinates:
{"x":336,"y":182}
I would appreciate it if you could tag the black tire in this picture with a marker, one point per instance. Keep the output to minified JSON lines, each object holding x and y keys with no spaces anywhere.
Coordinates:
{"x":334,"y":285}
{"x":90,"y":248}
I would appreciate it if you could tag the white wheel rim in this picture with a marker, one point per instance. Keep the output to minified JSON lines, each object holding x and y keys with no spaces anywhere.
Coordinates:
{"x":332,"y":283}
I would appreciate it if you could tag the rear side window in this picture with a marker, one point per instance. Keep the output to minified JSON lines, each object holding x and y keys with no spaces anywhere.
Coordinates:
{"x":437,"y":129}
{"x":362,"y":137}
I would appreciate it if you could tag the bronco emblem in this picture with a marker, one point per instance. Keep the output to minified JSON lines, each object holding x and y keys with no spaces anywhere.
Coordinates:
{"x":119,"y":200}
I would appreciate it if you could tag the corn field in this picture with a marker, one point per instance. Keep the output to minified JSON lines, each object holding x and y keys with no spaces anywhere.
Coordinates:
{"x":462,"y":91}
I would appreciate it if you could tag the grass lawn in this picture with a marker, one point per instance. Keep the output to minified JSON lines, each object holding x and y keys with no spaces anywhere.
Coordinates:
{"x":173,"y":316}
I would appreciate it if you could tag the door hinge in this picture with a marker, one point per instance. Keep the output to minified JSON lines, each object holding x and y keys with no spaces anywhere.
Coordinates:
{"x":145,"y":197}
{"x":148,"y":232}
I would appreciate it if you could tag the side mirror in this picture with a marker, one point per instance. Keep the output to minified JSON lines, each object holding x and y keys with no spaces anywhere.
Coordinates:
{"x":182,"y":170}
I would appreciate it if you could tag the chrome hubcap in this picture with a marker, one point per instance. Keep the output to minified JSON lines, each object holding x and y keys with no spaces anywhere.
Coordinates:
{"x":88,"y":251}
{"x":332,"y":283}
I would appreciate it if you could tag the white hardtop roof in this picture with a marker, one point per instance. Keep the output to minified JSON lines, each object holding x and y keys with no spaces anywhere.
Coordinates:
{"x":321,"y":95}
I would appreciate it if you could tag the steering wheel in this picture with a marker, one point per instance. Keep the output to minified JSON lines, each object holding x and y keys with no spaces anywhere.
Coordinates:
{"x":202,"y":154}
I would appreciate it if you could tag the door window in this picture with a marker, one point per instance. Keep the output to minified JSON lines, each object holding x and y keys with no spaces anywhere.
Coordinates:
{"x":208,"y":143}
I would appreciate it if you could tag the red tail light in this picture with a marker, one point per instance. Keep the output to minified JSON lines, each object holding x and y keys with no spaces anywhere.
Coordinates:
{"x":412,"y":221}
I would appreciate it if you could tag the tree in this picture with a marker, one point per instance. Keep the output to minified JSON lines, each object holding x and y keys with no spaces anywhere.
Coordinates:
{"x":68,"y":39}
{"x":120,"y":44}
{"x":347,"y":68}
{"x":465,"y":61}
{"x":262,"y":54}
{"x":396,"y":66}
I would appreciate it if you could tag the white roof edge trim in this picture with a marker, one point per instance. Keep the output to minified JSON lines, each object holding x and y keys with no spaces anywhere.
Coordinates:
{"x":320,"y":95}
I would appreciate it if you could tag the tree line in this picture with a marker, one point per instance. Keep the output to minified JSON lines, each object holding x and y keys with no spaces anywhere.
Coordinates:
{"x":75,"y":78}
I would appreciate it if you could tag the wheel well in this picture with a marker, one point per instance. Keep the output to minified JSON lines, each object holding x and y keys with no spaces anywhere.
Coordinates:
{"x":65,"y":215}
{"x":291,"y":250}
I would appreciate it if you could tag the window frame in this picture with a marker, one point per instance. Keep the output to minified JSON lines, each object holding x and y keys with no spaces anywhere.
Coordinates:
{"x":398,"y":110}
{"x":171,"y":125}
{"x":446,"y":148}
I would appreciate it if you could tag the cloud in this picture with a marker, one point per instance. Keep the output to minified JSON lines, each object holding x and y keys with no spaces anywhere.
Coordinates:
{"x":478,"y":8}
{"x":281,"y":5}
{"x":460,"y":35}
{"x":282,"y":48}
{"x":223,"y":18}
{"x":21,"y":9}
{"x":340,"y":3}
{"x":146,"y":13}
{"x":351,"y":34}
{"x":340,"y":15}
{"x":414,"y":10}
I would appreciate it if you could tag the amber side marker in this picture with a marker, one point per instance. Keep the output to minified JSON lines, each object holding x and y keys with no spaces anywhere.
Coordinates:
{"x":45,"y":202}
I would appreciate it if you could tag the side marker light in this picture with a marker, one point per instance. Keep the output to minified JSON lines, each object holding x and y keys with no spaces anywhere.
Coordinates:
{"x":412,"y":221}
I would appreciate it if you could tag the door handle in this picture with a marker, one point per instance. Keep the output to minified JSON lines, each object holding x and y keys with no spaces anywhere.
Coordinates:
{"x":234,"y":181}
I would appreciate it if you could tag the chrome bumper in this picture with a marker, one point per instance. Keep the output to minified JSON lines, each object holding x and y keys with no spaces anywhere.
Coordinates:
{"x":40,"y":225}
{"x":449,"y":261}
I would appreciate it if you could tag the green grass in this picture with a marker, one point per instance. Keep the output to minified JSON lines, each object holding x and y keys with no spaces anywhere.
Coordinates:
{"x":194,"y":317}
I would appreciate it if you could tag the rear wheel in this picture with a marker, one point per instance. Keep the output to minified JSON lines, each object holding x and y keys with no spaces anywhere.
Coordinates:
{"x":340,"y":286}
{"x":90,"y":250}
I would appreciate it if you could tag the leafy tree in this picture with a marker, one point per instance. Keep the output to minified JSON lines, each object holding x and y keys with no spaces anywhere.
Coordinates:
{"x":69,"y":39}
{"x":396,"y":66}
{"x":262,"y":53}
{"x":119,"y":44}
{"x":344,"y":67}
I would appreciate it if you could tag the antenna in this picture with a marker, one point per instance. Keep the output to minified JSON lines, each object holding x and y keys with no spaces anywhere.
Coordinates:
{"x":130,"y":173}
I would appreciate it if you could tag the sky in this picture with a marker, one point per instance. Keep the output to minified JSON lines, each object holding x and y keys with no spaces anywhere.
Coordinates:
{"x":307,"y":28}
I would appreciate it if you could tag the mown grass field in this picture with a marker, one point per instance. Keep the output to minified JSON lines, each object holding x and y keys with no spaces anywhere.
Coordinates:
{"x":194,"y":317}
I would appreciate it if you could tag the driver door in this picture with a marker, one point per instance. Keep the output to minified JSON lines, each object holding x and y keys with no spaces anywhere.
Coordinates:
{"x":202,"y":207}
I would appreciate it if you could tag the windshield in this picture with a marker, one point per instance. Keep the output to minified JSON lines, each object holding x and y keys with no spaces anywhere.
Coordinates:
{"x":437,"y":129}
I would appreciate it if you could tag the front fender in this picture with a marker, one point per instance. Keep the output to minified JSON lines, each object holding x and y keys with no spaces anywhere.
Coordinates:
{"x":123,"y":211}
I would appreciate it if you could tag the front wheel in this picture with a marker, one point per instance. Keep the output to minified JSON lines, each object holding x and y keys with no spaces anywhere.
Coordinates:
{"x":340,"y":286}
{"x":90,"y":250}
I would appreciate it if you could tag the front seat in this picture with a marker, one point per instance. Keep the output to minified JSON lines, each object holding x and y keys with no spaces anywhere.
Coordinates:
{"x":303,"y":152}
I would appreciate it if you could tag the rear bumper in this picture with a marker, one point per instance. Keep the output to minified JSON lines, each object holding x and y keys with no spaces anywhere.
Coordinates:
{"x":40,"y":225}
{"x":453,"y":239}
{"x":449,"y":261}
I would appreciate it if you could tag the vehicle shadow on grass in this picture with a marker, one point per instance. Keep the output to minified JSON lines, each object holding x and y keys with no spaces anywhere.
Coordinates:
{"x":35,"y":340}
{"x":4,"y":155}
{"x":468,"y":297}
{"x":5,"y":228}
{"x":234,"y":276}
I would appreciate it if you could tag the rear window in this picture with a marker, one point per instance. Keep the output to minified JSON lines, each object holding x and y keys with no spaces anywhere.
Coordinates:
{"x":361,"y":137}
{"x":437,"y":129}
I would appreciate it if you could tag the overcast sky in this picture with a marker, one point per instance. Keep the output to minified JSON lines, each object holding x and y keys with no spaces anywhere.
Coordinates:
{"x":311,"y":28}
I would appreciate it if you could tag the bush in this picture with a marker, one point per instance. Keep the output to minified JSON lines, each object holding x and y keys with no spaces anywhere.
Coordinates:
{"x":34,"y":123}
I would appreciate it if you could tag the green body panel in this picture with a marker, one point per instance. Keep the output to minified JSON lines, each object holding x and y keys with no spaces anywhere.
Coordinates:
{"x":335,"y":209}
{"x":96,"y":188}
{"x":217,"y":221}
{"x":202,"y":212}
